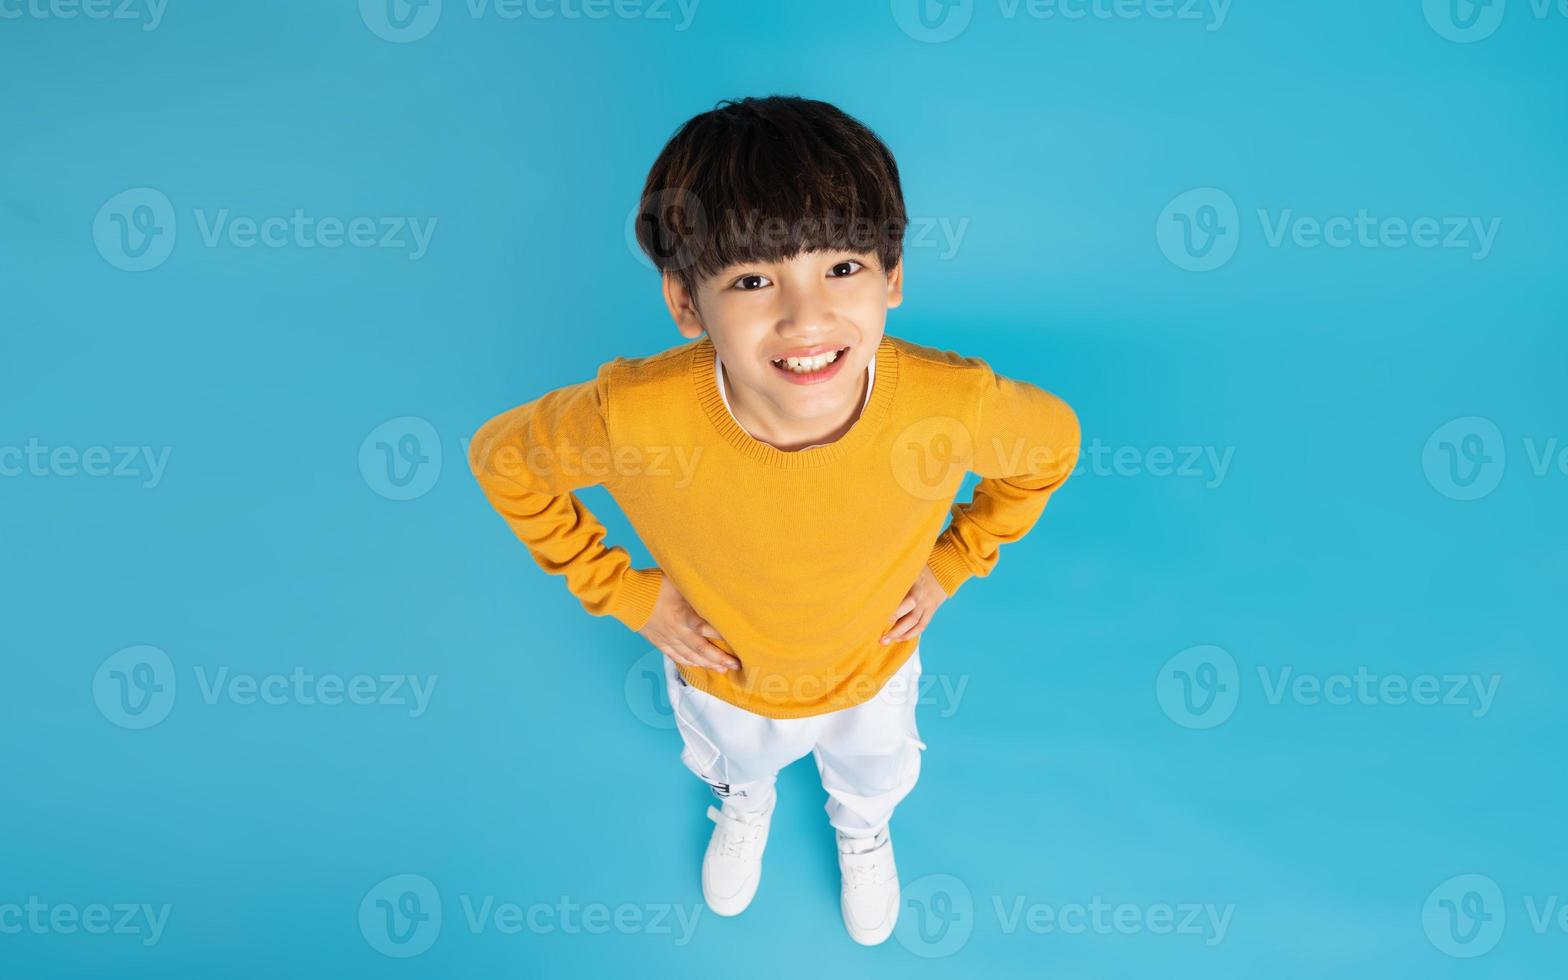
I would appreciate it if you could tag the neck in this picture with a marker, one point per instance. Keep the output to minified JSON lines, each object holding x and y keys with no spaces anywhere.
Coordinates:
{"x":789,"y":434}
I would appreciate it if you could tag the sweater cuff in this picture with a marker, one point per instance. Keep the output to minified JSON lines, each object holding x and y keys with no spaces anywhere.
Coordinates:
{"x":635,"y":600}
{"x":948,"y":565}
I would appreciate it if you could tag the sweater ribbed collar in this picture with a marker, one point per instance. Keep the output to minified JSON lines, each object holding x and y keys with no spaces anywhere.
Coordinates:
{"x":865,"y":427}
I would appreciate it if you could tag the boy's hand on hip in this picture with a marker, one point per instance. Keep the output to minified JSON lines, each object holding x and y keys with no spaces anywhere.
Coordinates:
{"x":914,"y":613}
{"x":682,"y":635}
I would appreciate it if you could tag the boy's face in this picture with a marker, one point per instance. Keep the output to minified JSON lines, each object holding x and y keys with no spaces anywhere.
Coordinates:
{"x":815,"y":303}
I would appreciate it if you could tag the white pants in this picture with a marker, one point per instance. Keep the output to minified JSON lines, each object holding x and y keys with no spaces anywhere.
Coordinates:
{"x":868,"y":755}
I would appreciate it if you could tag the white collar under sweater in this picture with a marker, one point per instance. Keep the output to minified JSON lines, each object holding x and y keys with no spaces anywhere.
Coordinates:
{"x":718,"y":378}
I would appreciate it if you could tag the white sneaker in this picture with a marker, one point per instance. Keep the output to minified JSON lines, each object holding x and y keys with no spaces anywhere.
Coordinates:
{"x":869,"y":895}
{"x":732,"y":866}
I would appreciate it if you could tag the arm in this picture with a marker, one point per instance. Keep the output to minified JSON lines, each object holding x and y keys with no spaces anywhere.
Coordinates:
{"x":528,"y":460}
{"x":1026,"y":445}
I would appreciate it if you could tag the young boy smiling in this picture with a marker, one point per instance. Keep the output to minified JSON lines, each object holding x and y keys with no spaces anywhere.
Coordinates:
{"x":801,"y":555}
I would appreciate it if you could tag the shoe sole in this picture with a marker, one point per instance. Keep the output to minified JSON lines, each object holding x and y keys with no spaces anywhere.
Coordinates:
{"x":734,"y":906}
{"x":878,"y":937}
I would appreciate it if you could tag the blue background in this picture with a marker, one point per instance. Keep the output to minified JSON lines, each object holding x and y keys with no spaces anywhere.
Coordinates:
{"x":1332,"y":542}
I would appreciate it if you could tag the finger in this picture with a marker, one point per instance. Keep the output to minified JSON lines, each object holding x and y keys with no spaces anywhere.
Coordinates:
{"x":913,"y":630}
{"x":728,"y":660}
{"x":704,"y":629}
{"x":900,"y":630}
{"x":711,"y":652}
{"x":669,"y":651}
{"x":904,"y":607}
{"x":716,"y":660}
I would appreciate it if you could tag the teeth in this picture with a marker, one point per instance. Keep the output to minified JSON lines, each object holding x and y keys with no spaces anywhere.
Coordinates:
{"x":806,"y":365}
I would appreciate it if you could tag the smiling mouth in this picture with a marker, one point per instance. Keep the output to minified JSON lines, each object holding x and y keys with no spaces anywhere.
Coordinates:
{"x":809,"y":365}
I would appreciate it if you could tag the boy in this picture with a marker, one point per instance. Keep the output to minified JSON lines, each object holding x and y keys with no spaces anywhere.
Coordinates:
{"x":789,"y":468}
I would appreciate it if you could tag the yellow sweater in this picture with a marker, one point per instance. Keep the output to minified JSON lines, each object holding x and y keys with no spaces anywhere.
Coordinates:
{"x":798,"y":559}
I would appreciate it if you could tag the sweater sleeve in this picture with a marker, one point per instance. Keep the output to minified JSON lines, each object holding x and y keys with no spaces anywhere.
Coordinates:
{"x":528,"y":460}
{"x":1025,"y":447}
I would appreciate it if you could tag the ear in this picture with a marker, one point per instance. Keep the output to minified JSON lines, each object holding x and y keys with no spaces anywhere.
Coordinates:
{"x":895,"y":284}
{"x":683,"y":308}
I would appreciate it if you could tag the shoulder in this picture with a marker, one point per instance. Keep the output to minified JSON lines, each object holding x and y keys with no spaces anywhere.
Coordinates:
{"x":649,"y":373}
{"x":945,"y":376}
{"x":977,"y":385}
{"x":621,"y":383}
{"x":641,"y":395}
{"x":924,"y":358}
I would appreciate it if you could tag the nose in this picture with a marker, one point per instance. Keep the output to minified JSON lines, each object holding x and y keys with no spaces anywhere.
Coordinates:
{"x":807,"y":313}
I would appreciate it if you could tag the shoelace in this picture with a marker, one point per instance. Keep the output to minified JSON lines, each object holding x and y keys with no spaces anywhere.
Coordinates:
{"x":868,"y":873}
{"x":867,"y":867}
{"x":736,"y":835}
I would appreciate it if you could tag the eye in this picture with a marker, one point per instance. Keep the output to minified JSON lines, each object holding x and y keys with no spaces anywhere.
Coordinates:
{"x":750,"y":283}
{"x":843,"y":264}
